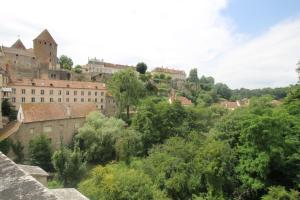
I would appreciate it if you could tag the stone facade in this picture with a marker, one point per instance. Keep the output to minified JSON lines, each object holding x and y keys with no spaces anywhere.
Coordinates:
{"x":173,"y":73}
{"x":58,"y":121}
{"x":57,"y":91}
{"x":38,"y":62}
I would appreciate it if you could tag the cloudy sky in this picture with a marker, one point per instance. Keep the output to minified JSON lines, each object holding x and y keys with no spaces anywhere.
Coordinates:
{"x":243,"y":43}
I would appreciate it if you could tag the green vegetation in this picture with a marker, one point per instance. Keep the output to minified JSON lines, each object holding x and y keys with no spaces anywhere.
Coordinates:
{"x":198,"y":152}
{"x":65,"y":62}
{"x":141,"y":68}
{"x":8,"y":110}
{"x":40,"y":152}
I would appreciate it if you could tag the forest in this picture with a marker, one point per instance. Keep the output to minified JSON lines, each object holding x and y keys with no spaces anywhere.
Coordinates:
{"x":154,"y":150}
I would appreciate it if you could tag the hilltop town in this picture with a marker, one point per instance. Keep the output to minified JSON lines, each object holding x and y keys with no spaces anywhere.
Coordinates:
{"x":113,"y":131}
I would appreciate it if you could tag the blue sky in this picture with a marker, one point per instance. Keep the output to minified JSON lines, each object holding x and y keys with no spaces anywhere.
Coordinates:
{"x":256,"y":16}
{"x":243,"y":43}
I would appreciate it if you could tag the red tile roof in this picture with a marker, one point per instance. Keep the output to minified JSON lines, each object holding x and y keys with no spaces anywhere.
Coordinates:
{"x":184,"y":101}
{"x":37,"y":112}
{"x":58,"y":84}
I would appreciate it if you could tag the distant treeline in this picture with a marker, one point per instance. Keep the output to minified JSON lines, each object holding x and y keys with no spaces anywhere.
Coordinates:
{"x":276,"y":93}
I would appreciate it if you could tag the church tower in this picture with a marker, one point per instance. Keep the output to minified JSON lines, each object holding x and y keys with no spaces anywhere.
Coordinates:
{"x":45,"y":49}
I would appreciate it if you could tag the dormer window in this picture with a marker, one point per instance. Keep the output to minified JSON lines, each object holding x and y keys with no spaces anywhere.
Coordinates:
{"x":33,"y":84}
{"x":68,"y":85}
{"x":51,"y":84}
{"x":17,"y":54}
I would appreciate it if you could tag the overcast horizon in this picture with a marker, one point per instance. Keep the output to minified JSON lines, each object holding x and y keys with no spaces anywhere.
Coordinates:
{"x":250,"y":43}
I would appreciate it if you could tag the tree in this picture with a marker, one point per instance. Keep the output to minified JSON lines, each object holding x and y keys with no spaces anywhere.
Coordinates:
{"x":128,"y":145}
{"x":117,"y":182}
{"x":40,"y":152}
{"x":18,"y":151}
{"x":141,"y":68}
{"x":222,"y":90}
{"x":280,"y":193}
{"x":7,"y":110}
{"x":193,"y":76}
{"x":5,"y":145}
{"x":126,"y":89}
{"x":78,"y":69}
{"x":206,"y":83}
{"x":65,"y":62}
{"x":98,"y":136}
{"x":69,"y":165}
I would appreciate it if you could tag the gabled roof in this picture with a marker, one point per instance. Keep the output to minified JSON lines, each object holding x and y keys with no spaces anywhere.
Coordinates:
{"x":19,"y":45}
{"x":33,"y":170}
{"x":45,"y":35}
{"x":37,"y":112}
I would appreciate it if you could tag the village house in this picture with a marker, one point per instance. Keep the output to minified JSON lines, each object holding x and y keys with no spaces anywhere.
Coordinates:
{"x":173,"y":73}
{"x":58,"y":121}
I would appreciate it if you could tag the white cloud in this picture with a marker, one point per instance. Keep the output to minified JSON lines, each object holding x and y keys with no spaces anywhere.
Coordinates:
{"x":175,"y":33}
{"x":267,"y":60}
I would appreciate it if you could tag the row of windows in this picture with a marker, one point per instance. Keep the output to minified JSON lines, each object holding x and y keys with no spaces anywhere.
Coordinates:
{"x":42,"y":99}
{"x":59,"y":92}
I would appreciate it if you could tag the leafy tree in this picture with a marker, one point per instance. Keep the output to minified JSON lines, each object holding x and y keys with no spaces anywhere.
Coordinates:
{"x":98,"y":137}
{"x":280,"y":193}
{"x":126,"y":89}
{"x":141,"y":68}
{"x":116,"y":182}
{"x":207,"y":83}
{"x":222,"y":90}
{"x":78,"y":69}
{"x":18,"y":151}
{"x":40,"y":152}
{"x":65,"y":62}
{"x":193,"y":76}
{"x":5,"y":146}
{"x":129,"y":144}
{"x":69,"y":165}
{"x":8,"y":110}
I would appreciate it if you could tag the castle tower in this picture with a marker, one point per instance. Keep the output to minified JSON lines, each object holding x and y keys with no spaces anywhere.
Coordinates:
{"x":45,"y":48}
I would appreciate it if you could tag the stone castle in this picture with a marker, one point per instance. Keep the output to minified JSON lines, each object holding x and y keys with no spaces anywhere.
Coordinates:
{"x":39,"y":62}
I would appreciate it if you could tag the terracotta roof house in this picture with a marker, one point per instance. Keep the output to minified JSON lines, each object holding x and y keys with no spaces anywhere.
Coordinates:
{"x":183,"y":100}
{"x":55,"y":120}
{"x":17,"y":182}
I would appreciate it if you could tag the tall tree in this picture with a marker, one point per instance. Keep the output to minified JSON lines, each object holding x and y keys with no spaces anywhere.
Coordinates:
{"x":193,"y":77}
{"x":141,"y":68}
{"x":222,"y":90}
{"x":65,"y":62}
{"x":126,"y":89}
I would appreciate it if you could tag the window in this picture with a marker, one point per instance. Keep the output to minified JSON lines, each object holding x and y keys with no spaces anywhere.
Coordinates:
{"x":32,"y":91}
{"x":33,"y":84}
{"x":51,"y":92}
{"x":67,"y":92}
{"x":14,"y":90}
{"x":51,"y":100}
{"x":51,"y":85}
{"x":23,"y":99}
{"x":75,"y":100}
{"x":102,"y":93}
{"x":101,"y":107}
{"x":95,"y":93}
{"x":42,"y":91}
{"x":59,"y":99}
{"x":13,"y":99}
{"x":82,"y":93}
{"x":59,"y":92}
{"x":42,"y":99}
{"x":47,"y":129}
{"x":75,"y":92}
{"x":89,"y":100}
{"x":95,"y":99}
{"x":101,"y":100}
{"x":89,"y":93}
{"x":45,"y":42}
{"x":67,"y":99}
{"x":32,"y":99}
{"x":82,"y":99}
{"x":23,"y":91}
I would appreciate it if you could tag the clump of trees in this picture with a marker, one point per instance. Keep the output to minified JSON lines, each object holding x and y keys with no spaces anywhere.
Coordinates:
{"x":65,"y":62}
